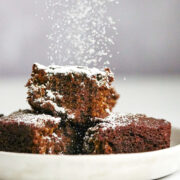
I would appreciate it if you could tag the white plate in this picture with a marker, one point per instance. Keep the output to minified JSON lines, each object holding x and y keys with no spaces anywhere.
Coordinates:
{"x":150,"y":165}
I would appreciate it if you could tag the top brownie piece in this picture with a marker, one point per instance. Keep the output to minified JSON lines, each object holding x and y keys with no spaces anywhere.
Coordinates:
{"x":76,"y":93}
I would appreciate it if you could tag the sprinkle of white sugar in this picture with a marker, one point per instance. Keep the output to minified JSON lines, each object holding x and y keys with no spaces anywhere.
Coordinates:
{"x":54,"y":69}
{"x":52,"y":137}
{"x":91,"y":73}
{"x":56,"y":136}
{"x":37,"y":120}
{"x":49,"y":99}
{"x":80,"y":31}
{"x":47,"y":138}
{"x":114,"y":120}
{"x":56,"y":107}
{"x":71,"y":116}
{"x":108,"y":111}
{"x":50,"y":150}
{"x":50,"y":94}
{"x":59,"y":96}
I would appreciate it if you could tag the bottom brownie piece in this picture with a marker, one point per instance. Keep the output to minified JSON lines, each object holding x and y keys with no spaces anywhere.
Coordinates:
{"x":27,"y":132}
{"x":127,"y":134}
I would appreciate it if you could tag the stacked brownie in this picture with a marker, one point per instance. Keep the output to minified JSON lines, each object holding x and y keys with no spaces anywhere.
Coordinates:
{"x":76,"y":93}
{"x":71,"y":114}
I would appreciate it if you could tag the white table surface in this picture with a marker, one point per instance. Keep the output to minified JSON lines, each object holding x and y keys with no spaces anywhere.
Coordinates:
{"x":157,"y":96}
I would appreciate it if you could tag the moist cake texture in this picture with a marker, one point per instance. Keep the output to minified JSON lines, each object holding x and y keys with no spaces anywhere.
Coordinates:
{"x":73,"y":92}
{"x":27,"y":132}
{"x":127,"y":134}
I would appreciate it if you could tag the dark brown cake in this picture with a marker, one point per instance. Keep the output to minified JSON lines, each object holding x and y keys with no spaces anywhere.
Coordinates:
{"x":127,"y":134}
{"x":27,"y":132}
{"x":76,"y":93}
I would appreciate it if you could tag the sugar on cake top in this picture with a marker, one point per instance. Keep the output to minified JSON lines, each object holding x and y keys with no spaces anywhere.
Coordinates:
{"x":115,"y":120}
{"x":100,"y":76}
{"x":29,"y":118}
{"x":55,"y":69}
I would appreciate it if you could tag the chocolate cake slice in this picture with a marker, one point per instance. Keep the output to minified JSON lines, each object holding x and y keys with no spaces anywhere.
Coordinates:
{"x":127,"y":134}
{"x":27,"y":132}
{"x":73,"y":92}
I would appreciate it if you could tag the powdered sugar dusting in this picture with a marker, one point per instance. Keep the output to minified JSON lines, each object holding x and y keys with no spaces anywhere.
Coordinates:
{"x":56,"y":136}
{"x":55,"y":69}
{"x":56,"y":107}
{"x":37,"y":120}
{"x":91,"y":73}
{"x":115,"y":120}
{"x":119,"y":120}
{"x":50,"y":94}
{"x":49,"y":98}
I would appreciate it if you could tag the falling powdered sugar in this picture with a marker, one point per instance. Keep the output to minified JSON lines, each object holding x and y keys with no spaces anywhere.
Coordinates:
{"x":80,"y":31}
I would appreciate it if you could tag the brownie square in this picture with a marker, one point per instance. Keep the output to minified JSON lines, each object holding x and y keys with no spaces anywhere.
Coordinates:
{"x":72,"y":92}
{"x":127,"y":134}
{"x":28,"y":132}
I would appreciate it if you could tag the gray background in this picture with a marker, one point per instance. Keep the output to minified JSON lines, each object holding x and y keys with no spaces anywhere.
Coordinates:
{"x":148,"y":41}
